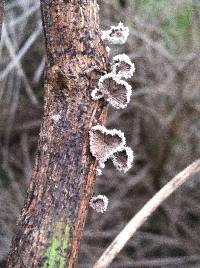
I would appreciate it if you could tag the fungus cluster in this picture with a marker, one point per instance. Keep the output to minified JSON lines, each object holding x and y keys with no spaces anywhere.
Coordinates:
{"x":112,"y":86}
{"x":111,"y":143}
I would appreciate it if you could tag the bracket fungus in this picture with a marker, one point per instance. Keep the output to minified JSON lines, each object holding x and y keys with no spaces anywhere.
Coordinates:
{"x":123,"y":160}
{"x":117,"y":92}
{"x":117,"y":35}
{"x":99,"y":203}
{"x":122,"y":66}
{"x":104,"y":143}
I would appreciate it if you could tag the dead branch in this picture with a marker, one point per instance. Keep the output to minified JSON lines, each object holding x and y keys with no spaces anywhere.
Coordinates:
{"x":138,"y":220}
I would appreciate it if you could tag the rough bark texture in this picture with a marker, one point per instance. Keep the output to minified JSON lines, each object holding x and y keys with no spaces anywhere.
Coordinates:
{"x":53,"y":217}
{"x":1,"y":14}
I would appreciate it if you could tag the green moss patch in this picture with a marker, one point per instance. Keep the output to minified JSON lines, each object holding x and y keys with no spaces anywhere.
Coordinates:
{"x":55,"y":255}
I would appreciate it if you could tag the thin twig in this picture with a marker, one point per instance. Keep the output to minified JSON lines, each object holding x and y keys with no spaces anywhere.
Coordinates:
{"x":137,"y":221}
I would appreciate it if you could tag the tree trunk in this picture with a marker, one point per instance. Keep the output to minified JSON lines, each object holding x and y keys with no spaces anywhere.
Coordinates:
{"x":52,"y":220}
{"x":1,"y":14}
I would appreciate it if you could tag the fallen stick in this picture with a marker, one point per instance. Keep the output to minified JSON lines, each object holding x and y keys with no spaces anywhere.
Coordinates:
{"x":137,"y":221}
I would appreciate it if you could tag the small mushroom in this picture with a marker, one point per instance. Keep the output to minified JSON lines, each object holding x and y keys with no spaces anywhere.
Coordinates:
{"x":117,"y":35}
{"x":123,"y":160}
{"x":105,"y":142}
{"x":99,"y":203}
{"x":117,"y":92}
{"x":122,"y":66}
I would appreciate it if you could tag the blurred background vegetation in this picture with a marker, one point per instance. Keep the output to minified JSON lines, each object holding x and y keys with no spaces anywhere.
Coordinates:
{"x":161,"y":123}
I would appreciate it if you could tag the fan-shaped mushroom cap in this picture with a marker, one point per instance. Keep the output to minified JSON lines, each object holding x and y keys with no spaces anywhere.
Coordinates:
{"x":123,"y":160}
{"x":117,"y":92}
{"x":117,"y":35}
{"x":105,"y":142}
{"x":99,"y":203}
{"x":122,"y":66}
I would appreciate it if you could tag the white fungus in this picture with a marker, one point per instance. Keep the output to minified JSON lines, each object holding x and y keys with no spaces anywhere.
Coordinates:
{"x":123,"y":160}
{"x":96,"y":94}
{"x":117,"y":92}
{"x":117,"y":35}
{"x":108,"y":50}
{"x":104,"y":143}
{"x":122,"y":66}
{"x":99,"y":171}
{"x":99,"y":203}
{"x":56,"y":117}
{"x":100,"y":166}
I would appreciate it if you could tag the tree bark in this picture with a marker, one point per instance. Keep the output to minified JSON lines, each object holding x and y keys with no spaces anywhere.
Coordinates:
{"x":1,"y":15}
{"x":52,"y":220}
